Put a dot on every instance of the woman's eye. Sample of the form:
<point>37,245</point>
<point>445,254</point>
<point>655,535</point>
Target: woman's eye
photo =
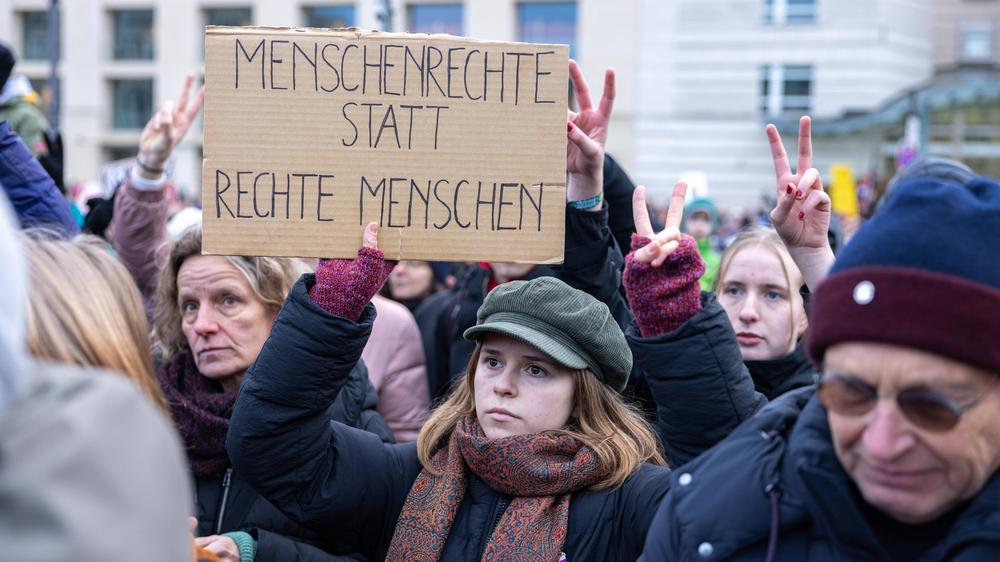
<point>774,295</point>
<point>536,371</point>
<point>188,307</point>
<point>733,291</point>
<point>229,300</point>
<point>493,363</point>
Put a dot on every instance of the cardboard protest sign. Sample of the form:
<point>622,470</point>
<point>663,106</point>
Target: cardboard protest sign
<point>456,147</point>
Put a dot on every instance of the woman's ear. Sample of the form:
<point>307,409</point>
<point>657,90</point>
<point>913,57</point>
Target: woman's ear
<point>803,325</point>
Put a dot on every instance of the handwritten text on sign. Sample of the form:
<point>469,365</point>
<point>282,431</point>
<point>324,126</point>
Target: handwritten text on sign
<point>455,147</point>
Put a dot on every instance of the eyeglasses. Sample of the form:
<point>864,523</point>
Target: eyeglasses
<point>925,408</point>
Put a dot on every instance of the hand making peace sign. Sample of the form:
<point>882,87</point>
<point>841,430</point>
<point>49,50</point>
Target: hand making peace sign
<point>665,243</point>
<point>802,213</point>
<point>587,133</point>
<point>168,126</point>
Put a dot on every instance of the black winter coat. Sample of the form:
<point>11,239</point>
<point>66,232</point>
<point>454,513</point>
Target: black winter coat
<point>701,388</point>
<point>777,479</point>
<point>350,486</point>
<point>774,377</point>
<point>230,504</point>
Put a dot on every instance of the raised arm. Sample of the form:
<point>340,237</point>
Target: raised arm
<point>140,217</point>
<point>593,261</point>
<point>682,339</point>
<point>32,193</point>
<point>343,482</point>
<point>802,213</point>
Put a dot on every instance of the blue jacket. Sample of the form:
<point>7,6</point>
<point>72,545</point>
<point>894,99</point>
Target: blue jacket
<point>775,491</point>
<point>34,196</point>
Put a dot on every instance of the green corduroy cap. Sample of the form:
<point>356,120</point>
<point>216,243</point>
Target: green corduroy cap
<point>566,324</point>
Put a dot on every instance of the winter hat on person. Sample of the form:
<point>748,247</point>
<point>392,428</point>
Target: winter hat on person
<point>701,205</point>
<point>6,63</point>
<point>944,169</point>
<point>566,324</point>
<point>922,273</point>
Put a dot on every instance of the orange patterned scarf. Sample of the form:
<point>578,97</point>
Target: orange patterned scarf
<point>540,471</point>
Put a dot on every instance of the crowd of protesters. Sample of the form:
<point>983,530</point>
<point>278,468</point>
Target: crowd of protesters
<point>676,389</point>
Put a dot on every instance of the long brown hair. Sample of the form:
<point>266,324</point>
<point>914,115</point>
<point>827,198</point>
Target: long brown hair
<point>617,433</point>
<point>84,309</point>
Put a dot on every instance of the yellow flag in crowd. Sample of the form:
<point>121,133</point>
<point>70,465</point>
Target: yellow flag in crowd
<point>843,191</point>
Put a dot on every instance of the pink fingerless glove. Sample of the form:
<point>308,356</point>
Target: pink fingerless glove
<point>345,287</point>
<point>662,298</point>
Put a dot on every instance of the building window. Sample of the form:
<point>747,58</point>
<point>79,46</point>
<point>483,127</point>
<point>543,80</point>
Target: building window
<point>117,153</point>
<point>228,16</point>
<point>133,34</point>
<point>785,89</point>
<point>132,103</point>
<point>977,42</point>
<point>789,11</point>
<point>434,18</point>
<point>547,22</point>
<point>329,16</point>
<point>35,35</point>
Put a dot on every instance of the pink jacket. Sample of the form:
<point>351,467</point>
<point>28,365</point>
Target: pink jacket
<point>140,233</point>
<point>395,360</point>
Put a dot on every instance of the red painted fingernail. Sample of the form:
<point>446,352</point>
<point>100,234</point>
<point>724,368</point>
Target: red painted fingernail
<point>791,187</point>
<point>569,126</point>
<point>788,189</point>
<point>798,193</point>
<point>802,215</point>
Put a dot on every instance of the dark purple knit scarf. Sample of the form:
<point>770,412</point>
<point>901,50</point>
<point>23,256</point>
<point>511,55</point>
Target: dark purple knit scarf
<point>201,410</point>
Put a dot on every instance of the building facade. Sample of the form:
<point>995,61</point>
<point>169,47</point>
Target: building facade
<point>697,79</point>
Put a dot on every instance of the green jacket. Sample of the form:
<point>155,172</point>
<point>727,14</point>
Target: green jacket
<point>711,258</point>
<point>25,118</point>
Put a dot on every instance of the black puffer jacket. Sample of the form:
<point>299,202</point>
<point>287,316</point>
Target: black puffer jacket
<point>777,481</point>
<point>350,486</point>
<point>696,375</point>
<point>230,504</point>
<point>774,377</point>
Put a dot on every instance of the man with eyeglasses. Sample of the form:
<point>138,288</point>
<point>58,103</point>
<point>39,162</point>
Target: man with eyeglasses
<point>895,455</point>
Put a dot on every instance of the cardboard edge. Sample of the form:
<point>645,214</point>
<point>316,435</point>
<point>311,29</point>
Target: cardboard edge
<point>359,33</point>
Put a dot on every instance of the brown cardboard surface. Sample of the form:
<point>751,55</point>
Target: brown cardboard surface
<point>291,168</point>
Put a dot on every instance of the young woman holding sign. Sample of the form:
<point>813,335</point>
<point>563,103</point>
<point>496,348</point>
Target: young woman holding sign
<point>534,455</point>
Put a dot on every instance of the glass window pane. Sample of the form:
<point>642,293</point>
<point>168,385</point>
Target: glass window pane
<point>329,16</point>
<point>977,43</point>
<point>435,18</point>
<point>801,11</point>
<point>132,103</point>
<point>768,11</point>
<point>229,16</point>
<point>115,153</point>
<point>548,22</point>
<point>796,89</point>
<point>35,35</point>
<point>133,34</point>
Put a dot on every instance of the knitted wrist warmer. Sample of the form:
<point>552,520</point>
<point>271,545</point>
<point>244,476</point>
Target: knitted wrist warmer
<point>246,544</point>
<point>345,287</point>
<point>662,298</point>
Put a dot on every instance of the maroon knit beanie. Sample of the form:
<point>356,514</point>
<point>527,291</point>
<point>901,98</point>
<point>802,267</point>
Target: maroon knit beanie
<point>923,273</point>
